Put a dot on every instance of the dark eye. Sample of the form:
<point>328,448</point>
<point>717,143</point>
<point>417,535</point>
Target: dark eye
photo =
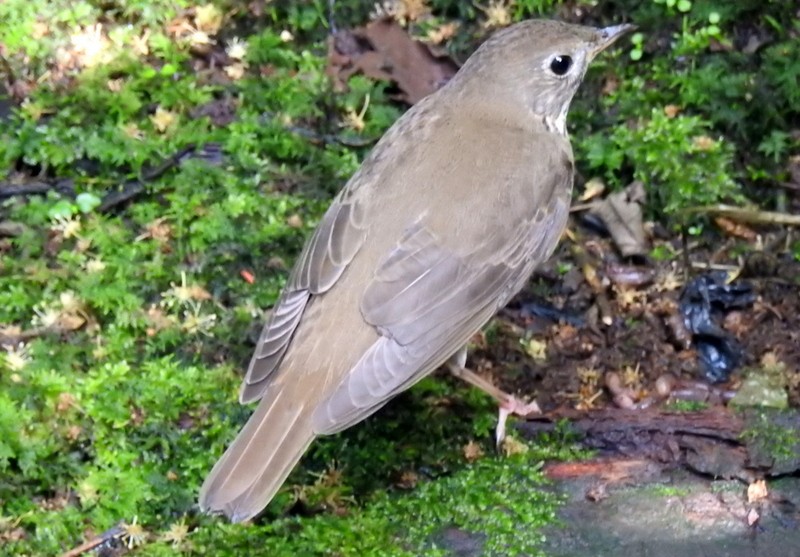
<point>561,64</point>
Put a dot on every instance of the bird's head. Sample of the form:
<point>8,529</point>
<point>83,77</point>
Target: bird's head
<point>537,64</point>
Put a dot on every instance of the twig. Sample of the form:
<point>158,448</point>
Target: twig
<point>789,186</point>
<point>111,534</point>
<point>133,188</point>
<point>9,71</point>
<point>601,299</point>
<point>747,215</point>
<point>64,187</point>
<point>22,336</point>
<point>714,266</point>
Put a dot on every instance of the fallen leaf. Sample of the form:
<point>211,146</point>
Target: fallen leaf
<point>757,491</point>
<point>498,13</point>
<point>294,221</point>
<point>736,229</point>
<point>592,189</point>
<point>163,119</point>
<point>442,33</point>
<point>472,451</point>
<point>513,446</point>
<point>208,19</point>
<point>384,50</point>
<point>622,214</point>
<point>703,143</point>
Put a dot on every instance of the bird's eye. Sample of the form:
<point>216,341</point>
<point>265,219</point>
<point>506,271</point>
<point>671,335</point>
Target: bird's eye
<point>561,64</point>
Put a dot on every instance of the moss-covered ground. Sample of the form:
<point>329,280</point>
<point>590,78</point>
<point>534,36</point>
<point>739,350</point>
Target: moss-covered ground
<point>125,327</point>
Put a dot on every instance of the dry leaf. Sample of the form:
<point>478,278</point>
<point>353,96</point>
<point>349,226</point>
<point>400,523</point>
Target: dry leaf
<point>443,32</point>
<point>536,349</point>
<point>408,480</point>
<point>622,214</point>
<point>703,143</point>
<point>294,221</point>
<point>512,446</point>
<point>208,19</point>
<point>757,491</point>
<point>736,229</point>
<point>71,321</point>
<point>472,451</point>
<point>592,189</point>
<point>65,402</point>
<point>163,119</point>
<point>384,50</point>
<point>498,13</point>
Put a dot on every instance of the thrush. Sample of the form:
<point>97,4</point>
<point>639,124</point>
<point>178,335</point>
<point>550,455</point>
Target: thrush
<point>441,225</point>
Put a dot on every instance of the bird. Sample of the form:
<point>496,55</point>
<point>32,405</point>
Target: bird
<point>444,221</point>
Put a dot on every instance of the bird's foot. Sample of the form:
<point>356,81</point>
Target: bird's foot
<point>512,406</point>
<point>509,404</point>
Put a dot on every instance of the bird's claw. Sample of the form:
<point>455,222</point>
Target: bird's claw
<point>512,406</point>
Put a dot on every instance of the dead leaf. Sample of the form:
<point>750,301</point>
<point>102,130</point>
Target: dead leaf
<point>235,71</point>
<point>71,321</point>
<point>752,517</point>
<point>158,320</point>
<point>597,492</point>
<point>736,229</point>
<point>622,214</point>
<point>401,11</point>
<point>512,446</point>
<point>498,13</point>
<point>472,451</point>
<point>703,143</point>
<point>672,110</point>
<point>294,221</point>
<point>408,480</point>
<point>757,491</point>
<point>65,402</point>
<point>754,42</point>
<point>794,169</point>
<point>443,33</point>
<point>208,19</point>
<point>163,119</point>
<point>592,189</point>
<point>384,50</point>
<point>536,349</point>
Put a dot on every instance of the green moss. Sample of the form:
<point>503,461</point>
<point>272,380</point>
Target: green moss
<point>686,405</point>
<point>771,437</point>
<point>502,502</point>
<point>660,490</point>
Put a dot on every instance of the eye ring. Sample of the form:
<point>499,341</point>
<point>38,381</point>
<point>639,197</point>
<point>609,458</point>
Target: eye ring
<point>560,64</point>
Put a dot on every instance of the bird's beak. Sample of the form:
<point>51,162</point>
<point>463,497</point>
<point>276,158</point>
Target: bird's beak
<point>609,35</point>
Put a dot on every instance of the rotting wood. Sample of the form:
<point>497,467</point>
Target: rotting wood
<point>718,442</point>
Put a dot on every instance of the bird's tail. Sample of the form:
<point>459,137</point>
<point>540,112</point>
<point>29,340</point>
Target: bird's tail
<point>258,461</point>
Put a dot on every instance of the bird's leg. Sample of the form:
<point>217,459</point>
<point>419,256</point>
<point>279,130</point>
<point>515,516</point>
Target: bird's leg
<point>509,404</point>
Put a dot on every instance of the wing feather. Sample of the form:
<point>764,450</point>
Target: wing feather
<point>426,302</point>
<point>328,252</point>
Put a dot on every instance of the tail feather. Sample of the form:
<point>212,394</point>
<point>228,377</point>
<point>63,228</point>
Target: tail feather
<point>261,457</point>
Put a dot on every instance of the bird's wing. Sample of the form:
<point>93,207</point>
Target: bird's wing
<point>426,301</point>
<point>325,256</point>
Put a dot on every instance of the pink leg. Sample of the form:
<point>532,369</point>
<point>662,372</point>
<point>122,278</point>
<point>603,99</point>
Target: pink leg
<point>509,404</point>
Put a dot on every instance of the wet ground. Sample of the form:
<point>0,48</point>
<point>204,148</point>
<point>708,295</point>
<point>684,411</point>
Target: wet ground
<point>602,325</point>
<point>678,514</point>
